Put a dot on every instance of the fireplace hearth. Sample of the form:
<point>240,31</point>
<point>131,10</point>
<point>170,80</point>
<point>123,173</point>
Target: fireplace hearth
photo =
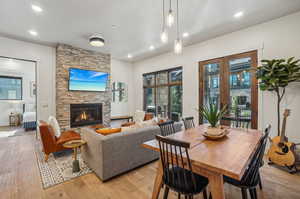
<point>85,114</point>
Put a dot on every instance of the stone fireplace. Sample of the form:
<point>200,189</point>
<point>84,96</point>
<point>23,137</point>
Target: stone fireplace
<point>85,114</point>
<point>71,57</point>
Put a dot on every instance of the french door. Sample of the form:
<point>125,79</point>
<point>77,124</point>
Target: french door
<point>230,81</point>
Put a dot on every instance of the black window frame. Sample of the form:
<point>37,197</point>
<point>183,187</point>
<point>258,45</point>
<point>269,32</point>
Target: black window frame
<point>17,78</point>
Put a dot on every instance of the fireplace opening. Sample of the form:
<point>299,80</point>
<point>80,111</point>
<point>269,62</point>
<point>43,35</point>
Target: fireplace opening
<point>85,114</point>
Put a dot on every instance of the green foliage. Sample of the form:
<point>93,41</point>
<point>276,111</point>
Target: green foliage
<point>212,113</point>
<point>277,73</point>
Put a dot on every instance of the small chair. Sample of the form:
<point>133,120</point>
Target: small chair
<point>242,123</point>
<point>251,178</point>
<point>52,143</point>
<point>188,122</point>
<point>167,128</point>
<point>139,116</point>
<point>177,170</point>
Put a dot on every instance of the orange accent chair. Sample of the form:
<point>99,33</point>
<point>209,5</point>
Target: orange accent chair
<point>50,142</point>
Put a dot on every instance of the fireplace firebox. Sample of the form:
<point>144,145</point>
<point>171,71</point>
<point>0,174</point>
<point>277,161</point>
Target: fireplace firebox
<point>85,114</point>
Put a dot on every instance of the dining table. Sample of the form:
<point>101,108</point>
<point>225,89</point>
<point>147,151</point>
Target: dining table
<point>214,159</point>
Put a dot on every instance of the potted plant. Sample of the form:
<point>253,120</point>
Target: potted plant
<point>275,75</point>
<point>213,115</point>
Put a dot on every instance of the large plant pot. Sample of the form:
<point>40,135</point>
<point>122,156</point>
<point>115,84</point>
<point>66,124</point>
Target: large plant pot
<point>214,130</point>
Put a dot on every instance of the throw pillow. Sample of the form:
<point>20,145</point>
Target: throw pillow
<point>108,131</point>
<point>53,122</point>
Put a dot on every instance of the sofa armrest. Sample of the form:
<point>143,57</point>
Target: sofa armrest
<point>92,152</point>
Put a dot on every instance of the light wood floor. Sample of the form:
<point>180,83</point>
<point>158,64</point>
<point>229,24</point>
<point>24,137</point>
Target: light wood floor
<point>19,178</point>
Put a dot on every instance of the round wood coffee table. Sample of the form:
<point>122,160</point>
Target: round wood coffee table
<point>75,144</point>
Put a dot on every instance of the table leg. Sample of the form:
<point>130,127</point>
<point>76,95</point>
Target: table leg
<point>216,186</point>
<point>76,167</point>
<point>158,181</point>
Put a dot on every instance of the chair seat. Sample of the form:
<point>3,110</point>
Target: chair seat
<point>239,183</point>
<point>178,184</point>
<point>68,136</point>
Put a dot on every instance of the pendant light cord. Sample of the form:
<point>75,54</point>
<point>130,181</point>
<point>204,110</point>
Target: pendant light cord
<point>170,4</point>
<point>163,10</point>
<point>177,16</point>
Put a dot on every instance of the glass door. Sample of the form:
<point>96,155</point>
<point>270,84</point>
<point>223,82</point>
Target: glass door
<point>210,88</point>
<point>163,93</point>
<point>242,94</point>
<point>230,81</point>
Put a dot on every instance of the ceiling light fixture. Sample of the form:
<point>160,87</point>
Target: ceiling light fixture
<point>97,41</point>
<point>164,33</point>
<point>36,8</point>
<point>33,32</point>
<point>238,14</point>
<point>178,42</point>
<point>170,17</point>
<point>129,56</point>
<point>185,34</point>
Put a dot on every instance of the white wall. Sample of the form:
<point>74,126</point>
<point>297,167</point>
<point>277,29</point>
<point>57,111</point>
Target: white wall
<point>45,57</point>
<point>279,38</point>
<point>122,72</point>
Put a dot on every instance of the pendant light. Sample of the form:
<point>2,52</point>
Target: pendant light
<point>170,17</point>
<point>164,33</point>
<point>178,41</point>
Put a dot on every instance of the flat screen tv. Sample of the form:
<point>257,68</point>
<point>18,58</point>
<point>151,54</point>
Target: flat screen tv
<point>87,80</point>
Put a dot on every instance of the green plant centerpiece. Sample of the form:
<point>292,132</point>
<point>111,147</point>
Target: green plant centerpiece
<point>213,115</point>
<point>275,75</point>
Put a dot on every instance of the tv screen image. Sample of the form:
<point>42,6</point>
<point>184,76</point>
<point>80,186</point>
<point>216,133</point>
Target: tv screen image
<point>87,80</point>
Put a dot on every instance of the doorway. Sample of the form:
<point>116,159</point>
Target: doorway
<point>230,81</point>
<point>18,97</point>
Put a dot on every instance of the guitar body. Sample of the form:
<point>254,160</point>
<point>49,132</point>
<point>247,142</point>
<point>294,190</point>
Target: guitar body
<point>281,153</point>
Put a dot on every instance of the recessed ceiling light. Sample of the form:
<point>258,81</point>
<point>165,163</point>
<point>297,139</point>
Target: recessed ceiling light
<point>36,8</point>
<point>238,14</point>
<point>33,32</point>
<point>129,56</point>
<point>185,34</point>
<point>151,47</point>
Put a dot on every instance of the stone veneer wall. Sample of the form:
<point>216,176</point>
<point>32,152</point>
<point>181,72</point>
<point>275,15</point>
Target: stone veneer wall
<point>68,56</point>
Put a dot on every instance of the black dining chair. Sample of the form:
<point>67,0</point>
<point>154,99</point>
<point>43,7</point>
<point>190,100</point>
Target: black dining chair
<point>242,122</point>
<point>188,122</point>
<point>251,178</point>
<point>177,169</point>
<point>167,128</point>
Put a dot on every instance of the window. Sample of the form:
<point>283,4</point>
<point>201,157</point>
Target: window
<point>10,88</point>
<point>163,93</point>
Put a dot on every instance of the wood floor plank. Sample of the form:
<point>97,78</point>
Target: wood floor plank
<point>20,179</point>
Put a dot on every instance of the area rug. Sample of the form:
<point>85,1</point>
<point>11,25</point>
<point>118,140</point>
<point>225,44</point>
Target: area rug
<point>58,168</point>
<point>15,132</point>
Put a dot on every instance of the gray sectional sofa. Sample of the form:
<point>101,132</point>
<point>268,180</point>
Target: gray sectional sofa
<point>111,155</point>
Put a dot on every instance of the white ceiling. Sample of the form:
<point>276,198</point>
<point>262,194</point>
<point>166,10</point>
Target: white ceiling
<point>138,22</point>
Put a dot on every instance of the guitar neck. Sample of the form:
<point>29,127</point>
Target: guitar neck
<point>282,135</point>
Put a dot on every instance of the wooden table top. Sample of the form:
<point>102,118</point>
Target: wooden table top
<point>228,156</point>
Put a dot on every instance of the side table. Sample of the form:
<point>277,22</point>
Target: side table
<point>75,144</point>
<point>14,119</point>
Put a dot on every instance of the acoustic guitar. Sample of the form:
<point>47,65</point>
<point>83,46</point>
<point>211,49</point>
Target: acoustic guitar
<point>281,151</point>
